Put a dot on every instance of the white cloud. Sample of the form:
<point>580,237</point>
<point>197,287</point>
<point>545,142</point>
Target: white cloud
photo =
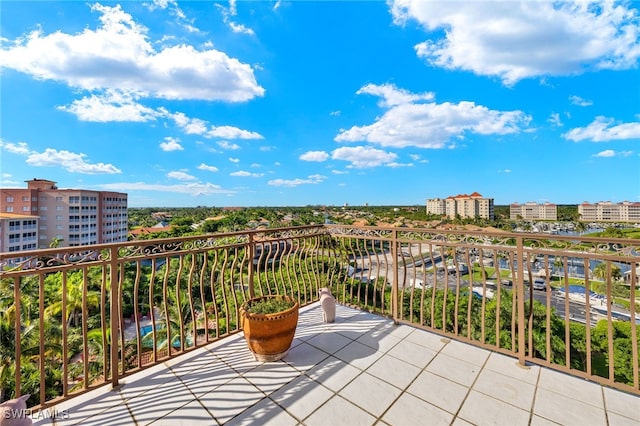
<point>339,172</point>
<point>175,10</point>
<point>395,165</point>
<point>119,55</point>
<point>234,160</point>
<point>517,40</point>
<point>208,168</point>
<point>180,175</point>
<point>114,105</point>
<point>196,126</point>
<point>70,161</point>
<point>243,173</point>
<point>555,119</point>
<point>110,106</point>
<point>418,158</point>
<point>430,125</point>
<point>229,12</point>
<point>191,126</point>
<point>16,148</point>
<point>611,153</point>
<point>577,100</point>
<point>314,156</point>
<point>603,129</point>
<point>311,180</point>
<point>391,95</point>
<point>605,153</point>
<point>195,188</point>
<point>230,132</point>
<point>362,157</point>
<point>240,28</point>
<point>6,181</point>
<point>228,145</point>
<point>335,113</point>
<point>171,144</point>
<point>504,171</point>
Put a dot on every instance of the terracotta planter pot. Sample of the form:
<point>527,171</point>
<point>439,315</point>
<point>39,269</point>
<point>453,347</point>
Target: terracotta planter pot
<point>269,336</point>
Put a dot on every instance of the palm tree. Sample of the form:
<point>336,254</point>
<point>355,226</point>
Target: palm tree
<point>600,271</point>
<point>55,242</point>
<point>74,293</point>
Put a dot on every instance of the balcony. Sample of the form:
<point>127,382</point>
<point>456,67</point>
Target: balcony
<point>362,369</point>
<point>440,325</point>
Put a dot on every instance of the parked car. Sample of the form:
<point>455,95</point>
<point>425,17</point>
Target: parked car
<point>540,284</point>
<point>507,283</point>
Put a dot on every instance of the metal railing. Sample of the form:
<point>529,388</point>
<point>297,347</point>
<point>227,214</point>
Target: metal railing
<point>76,318</point>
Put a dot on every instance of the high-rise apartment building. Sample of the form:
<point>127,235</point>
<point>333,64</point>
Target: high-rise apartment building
<point>531,210</point>
<point>72,217</point>
<point>465,206</point>
<point>606,211</point>
<point>436,206</point>
<point>18,232</point>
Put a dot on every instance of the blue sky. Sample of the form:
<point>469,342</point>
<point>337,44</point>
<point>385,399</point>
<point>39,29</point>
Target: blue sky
<point>275,103</point>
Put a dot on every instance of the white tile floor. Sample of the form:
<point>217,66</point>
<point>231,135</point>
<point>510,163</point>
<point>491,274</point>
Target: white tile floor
<point>360,370</point>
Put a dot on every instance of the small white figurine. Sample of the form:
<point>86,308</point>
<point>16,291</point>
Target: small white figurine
<point>14,412</point>
<point>328,303</point>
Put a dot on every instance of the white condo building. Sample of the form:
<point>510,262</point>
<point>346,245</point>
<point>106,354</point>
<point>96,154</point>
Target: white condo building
<point>531,210</point>
<point>606,211</point>
<point>465,206</point>
<point>437,206</point>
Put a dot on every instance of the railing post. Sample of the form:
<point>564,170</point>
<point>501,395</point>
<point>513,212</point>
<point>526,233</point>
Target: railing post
<point>251,253</point>
<point>520,299</point>
<point>114,314</point>
<point>396,278</point>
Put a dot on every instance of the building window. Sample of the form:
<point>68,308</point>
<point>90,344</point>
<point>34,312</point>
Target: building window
<point>9,199</point>
<point>25,198</point>
<point>43,208</point>
<point>25,208</point>
<point>59,198</point>
<point>59,217</point>
<point>9,209</point>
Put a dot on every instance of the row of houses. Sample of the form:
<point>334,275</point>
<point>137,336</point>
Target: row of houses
<point>476,206</point>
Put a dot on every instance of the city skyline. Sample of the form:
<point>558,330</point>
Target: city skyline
<point>183,104</point>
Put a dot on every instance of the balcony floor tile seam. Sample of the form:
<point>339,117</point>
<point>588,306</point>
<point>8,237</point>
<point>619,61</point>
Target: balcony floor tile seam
<point>617,413</point>
<point>136,395</point>
<point>469,389</point>
<point>405,390</point>
<point>518,366</point>
<point>198,395</point>
<point>300,421</point>
<point>586,382</point>
<point>88,418</point>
